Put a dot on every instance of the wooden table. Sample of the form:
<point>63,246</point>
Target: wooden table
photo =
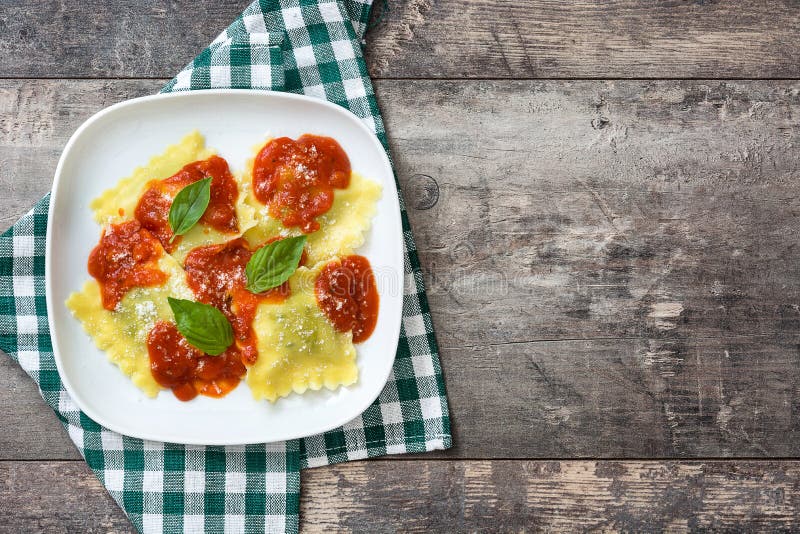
<point>606,199</point>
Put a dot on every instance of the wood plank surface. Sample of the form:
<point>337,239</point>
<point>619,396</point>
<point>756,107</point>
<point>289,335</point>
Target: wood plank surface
<point>610,264</point>
<point>100,38</point>
<point>586,39</point>
<point>423,38</point>
<point>56,497</point>
<point>461,496</point>
<point>629,244</point>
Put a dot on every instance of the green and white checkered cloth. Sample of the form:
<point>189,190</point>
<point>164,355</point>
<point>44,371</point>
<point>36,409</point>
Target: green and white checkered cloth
<point>301,46</point>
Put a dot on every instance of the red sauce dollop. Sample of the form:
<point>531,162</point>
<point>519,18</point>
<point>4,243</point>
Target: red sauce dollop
<point>347,293</point>
<point>216,275</point>
<point>296,179</point>
<point>152,211</point>
<point>187,371</point>
<point>126,257</point>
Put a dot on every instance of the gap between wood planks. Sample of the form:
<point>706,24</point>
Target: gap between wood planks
<point>433,456</point>
<point>461,79</point>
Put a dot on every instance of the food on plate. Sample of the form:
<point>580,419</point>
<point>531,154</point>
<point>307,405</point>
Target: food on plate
<point>336,220</point>
<point>215,182</point>
<point>217,276</point>
<point>194,356</point>
<point>148,193</point>
<point>298,348</point>
<point>347,294</point>
<point>296,179</point>
<point>128,295</point>
<point>203,278</point>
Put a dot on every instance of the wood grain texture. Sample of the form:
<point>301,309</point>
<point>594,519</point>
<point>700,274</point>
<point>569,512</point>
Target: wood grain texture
<point>425,38</point>
<point>98,38</point>
<point>630,245</point>
<point>550,496</point>
<point>611,265</point>
<point>23,412</point>
<point>56,497</point>
<point>661,210</point>
<point>586,39</point>
<point>460,496</point>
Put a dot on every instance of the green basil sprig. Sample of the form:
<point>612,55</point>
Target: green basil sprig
<point>203,326</point>
<point>188,206</point>
<point>274,263</point>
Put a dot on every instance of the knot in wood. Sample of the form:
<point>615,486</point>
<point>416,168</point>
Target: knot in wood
<point>600,123</point>
<point>423,192</point>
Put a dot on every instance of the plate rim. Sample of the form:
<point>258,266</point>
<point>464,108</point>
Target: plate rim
<point>50,301</point>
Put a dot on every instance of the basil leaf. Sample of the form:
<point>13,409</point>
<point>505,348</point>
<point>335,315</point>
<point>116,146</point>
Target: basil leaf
<point>203,326</point>
<point>274,263</point>
<point>188,206</point>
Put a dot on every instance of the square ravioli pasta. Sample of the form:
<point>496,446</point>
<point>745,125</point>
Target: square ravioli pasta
<point>342,228</point>
<point>160,180</point>
<point>122,332</point>
<point>298,347</point>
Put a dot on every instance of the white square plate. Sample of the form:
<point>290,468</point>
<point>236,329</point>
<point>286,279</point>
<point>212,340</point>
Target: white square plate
<point>108,147</point>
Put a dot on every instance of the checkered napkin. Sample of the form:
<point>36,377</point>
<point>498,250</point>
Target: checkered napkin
<point>300,46</point>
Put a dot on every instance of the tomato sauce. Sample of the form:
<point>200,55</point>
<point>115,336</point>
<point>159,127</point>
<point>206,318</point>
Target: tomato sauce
<point>347,293</point>
<point>216,275</point>
<point>152,211</point>
<point>296,178</point>
<point>187,371</point>
<point>126,257</point>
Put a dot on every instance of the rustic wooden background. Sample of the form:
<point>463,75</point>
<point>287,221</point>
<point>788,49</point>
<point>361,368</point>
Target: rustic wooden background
<point>605,197</point>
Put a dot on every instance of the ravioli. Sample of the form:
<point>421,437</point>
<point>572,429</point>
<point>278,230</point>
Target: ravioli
<point>342,228</point>
<point>122,334</point>
<point>119,203</point>
<point>298,348</point>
